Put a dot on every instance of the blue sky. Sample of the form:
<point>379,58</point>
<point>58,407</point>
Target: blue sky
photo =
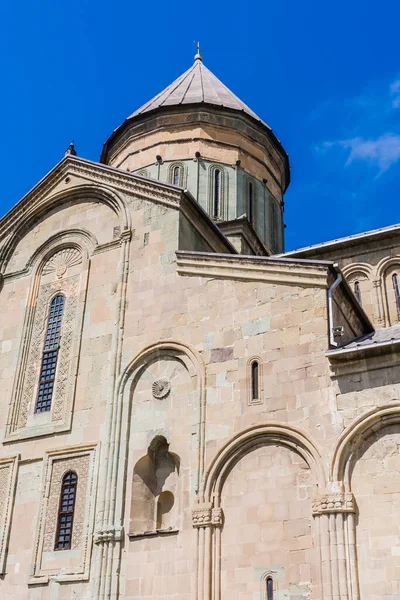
<point>324,75</point>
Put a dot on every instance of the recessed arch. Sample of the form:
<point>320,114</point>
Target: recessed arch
<point>385,263</point>
<point>37,210</point>
<point>244,442</point>
<point>355,435</point>
<point>364,269</point>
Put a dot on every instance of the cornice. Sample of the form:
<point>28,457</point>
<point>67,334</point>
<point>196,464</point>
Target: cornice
<point>103,175</point>
<point>245,268</point>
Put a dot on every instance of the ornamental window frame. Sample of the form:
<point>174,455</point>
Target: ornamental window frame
<point>66,564</point>
<point>59,267</point>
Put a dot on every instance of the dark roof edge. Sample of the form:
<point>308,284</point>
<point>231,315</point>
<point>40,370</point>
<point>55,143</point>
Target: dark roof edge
<point>355,238</point>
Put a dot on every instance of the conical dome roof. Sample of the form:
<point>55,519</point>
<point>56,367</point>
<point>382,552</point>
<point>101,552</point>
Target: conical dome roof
<point>196,86</point>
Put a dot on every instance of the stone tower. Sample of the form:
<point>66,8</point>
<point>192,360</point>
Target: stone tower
<point>198,135</point>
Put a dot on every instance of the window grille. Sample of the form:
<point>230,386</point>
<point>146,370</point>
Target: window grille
<point>50,355</point>
<point>66,511</point>
<point>217,193</point>
<point>357,291</point>
<point>396,286</point>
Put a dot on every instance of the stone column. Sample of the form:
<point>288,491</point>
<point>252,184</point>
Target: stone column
<point>381,318</point>
<point>338,551</point>
<point>208,521</point>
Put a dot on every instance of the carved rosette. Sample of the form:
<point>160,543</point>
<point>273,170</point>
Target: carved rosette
<point>206,516</point>
<point>161,388</point>
<point>334,503</point>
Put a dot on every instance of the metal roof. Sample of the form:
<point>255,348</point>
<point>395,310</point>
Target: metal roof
<point>197,85</point>
<point>355,238</point>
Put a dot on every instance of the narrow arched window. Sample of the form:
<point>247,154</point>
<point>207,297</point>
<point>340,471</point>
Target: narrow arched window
<point>176,176</point>
<point>251,203</point>
<point>270,588</point>
<point>50,355</point>
<point>66,511</point>
<point>255,373</point>
<point>217,193</point>
<point>396,286</point>
<point>357,291</point>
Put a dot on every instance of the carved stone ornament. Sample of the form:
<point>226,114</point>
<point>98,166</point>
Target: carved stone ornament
<point>201,515</point>
<point>111,534</point>
<point>60,262</point>
<point>205,516</point>
<point>161,388</point>
<point>333,503</point>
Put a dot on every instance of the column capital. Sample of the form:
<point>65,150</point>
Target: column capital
<point>335,502</point>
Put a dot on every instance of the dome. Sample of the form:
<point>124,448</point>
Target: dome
<point>196,86</point>
<point>199,135</point>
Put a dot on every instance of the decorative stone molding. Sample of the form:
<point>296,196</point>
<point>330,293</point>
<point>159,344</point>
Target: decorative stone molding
<point>109,534</point>
<point>205,516</point>
<point>74,564</point>
<point>217,517</point>
<point>22,422</point>
<point>255,268</point>
<point>342,502</point>
<point>8,478</point>
<point>61,261</point>
<point>202,515</point>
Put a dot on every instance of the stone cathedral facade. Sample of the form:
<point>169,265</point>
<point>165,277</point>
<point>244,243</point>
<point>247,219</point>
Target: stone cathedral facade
<point>187,412</point>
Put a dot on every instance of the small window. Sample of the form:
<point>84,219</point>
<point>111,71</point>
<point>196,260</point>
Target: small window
<point>255,374</point>
<point>50,355</point>
<point>396,287</point>
<point>357,291</point>
<point>66,511</point>
<point>251,203</point>
<point>270,588</point>
<point>217,193</point>
<point>176,176</point>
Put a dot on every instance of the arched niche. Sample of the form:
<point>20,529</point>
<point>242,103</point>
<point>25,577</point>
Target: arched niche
<point>161,396</point>
<point>155,490</point>
<point>264,481</point>
<point>367,464</point>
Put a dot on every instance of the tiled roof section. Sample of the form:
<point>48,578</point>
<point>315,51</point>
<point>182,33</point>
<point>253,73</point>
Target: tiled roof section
<point>196,86</point>
<point>380,336</point>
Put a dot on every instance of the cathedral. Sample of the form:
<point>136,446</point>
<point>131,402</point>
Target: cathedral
<point>187,411</point>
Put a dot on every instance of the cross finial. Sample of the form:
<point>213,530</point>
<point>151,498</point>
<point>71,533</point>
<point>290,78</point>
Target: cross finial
<point>70,151</point>
<point>198,55</point>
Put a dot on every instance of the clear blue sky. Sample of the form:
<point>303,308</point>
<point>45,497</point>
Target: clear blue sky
<point>324,75</point>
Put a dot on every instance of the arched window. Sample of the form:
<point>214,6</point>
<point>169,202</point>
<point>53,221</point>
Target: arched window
<point>217,193</point>
<point>66,511</point>
<point>270,588</point>
<point>50,355</point>
<point>251,203</point>
<point>357,291</point>
<point>255,374</point>
<point>176,176</point>
<point>396,287</point>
